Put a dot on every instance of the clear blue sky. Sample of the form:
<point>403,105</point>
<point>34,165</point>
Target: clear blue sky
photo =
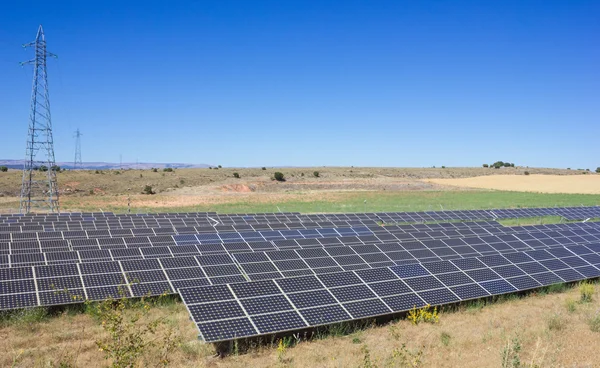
<point>253,83</point>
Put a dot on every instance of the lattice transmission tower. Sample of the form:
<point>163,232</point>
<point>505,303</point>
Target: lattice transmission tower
<point>77,160</point>
<point>39,190</point>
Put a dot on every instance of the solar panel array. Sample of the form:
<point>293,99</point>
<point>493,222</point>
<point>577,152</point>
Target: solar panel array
<point>249,309</point>
<point>245,275</point>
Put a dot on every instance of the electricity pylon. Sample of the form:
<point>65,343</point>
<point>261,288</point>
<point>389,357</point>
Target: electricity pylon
<point>77,150</point>
<point>39,189</point>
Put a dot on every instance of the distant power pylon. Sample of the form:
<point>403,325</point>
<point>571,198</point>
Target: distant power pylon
<point>77,150</point>
<point>39,189</point>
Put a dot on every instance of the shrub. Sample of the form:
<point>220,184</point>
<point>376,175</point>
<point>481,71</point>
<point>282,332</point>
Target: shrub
<point>3,169</point>
<point>43,168</point>
<point>264,168</point>
<point>148,190</point>
<point>278,176</point>
<point>507,164</point>
<point>168,169</point>
<point>486,165</point>
<point>316,174</point>
<point>512,164</point>
<point>131,331</point>
<point>56,168</point>
<point>236,175</point>
<point>586,290</point>
<point>526,173</point>
<point>210,167</point>
<point>97,172</point>
<point>154,169</point>
<point>220,167</point>
<point>443,167</point>
<point>424,314</point>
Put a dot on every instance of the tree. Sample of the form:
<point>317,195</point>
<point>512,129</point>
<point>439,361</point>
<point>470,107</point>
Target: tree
<point>220,167</point>
<point>486,165</point>
<point>278,176</point>
<point>264,168</point>
<point>56,168</point>
<point>168,169</point>
<point>43,168</point>
<point>236,175</point>
<point>316,174</point>
<point>597,169</point>
<point>3,169</point>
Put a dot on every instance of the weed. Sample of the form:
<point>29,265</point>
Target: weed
<point>21,317</point>
<point>556,322</point>
<point>404,357</point>
<point>445,338</point>
<point>395,331</point>
<point>571,305</point>
<point>475,306</point>
<point>282,349</point>
<point>554,289</point>
<point>511,354</point>
<point>424,314</point>
<point>594,322</point>
<point>586,290</point>
<point>366,363</point>
<point>356,340</point>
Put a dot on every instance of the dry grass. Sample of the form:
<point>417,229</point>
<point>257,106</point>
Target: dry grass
<point>471,337</point>
<point>585,184</point>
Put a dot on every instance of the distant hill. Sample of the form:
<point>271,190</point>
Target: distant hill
<point>18,164</point>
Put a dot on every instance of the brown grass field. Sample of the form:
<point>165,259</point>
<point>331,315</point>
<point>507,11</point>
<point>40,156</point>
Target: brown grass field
<point>553,330</point>
<point>542,329</point>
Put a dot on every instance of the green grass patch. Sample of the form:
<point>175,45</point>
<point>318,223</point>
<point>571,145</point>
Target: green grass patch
<point>381,201</point>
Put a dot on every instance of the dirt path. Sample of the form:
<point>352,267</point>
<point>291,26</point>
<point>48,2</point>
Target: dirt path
<point>583,184</point>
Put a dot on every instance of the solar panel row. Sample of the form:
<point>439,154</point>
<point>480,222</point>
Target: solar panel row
<point>568,212</point>
<point>93,240</point>
<point>419,243</point>
<point>166,275</point>
<point>248,309</point>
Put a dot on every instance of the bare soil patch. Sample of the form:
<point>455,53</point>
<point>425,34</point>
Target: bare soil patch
<point>582,184</point>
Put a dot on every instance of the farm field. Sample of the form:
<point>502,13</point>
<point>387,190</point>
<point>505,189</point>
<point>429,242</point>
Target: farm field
<point>588,184</point>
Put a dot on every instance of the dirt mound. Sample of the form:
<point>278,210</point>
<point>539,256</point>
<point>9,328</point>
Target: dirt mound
<point>583,184</point>
<point>238,188</point>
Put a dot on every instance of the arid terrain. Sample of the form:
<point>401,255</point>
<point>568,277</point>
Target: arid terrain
<point>335,189</point>
<point>539,330</point>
